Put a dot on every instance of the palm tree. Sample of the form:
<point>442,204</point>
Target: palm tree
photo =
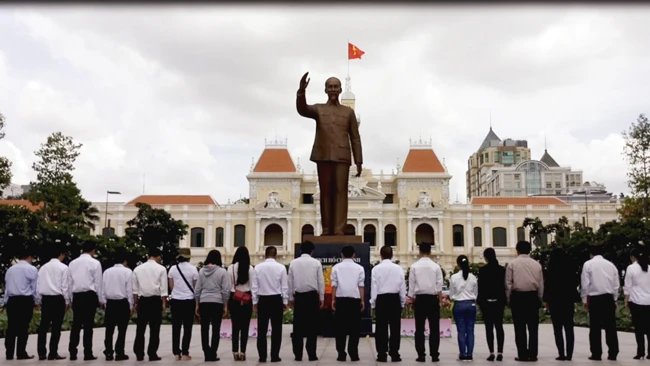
<point>87,214</point>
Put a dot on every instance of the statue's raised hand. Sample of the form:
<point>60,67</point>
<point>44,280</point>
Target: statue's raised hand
<point>304,81</point>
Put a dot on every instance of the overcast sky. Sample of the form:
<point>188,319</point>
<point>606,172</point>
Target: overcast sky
<point>187,95</point>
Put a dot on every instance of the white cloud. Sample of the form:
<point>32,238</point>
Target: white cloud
<point>186,95</point>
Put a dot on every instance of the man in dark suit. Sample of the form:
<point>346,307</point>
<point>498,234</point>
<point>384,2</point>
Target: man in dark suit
<point>337,130</point>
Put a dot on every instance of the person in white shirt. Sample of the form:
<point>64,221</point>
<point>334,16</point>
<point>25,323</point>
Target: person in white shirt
<point>117,297</point>
<point>387,299</point>
<point>306,296</point>
<point>150,295</point>
<point>348,294</point>
<point>270,298</point>
<point>241,273</point>
<point>637,299</point>
<point>182,281</point>
<point>85,278</point>
<point>54,297</point>
<point>600,283</point>
<point>425,293</point>
<point>463,290</point>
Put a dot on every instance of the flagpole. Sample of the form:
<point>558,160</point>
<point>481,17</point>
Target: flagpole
<point>348,49</point>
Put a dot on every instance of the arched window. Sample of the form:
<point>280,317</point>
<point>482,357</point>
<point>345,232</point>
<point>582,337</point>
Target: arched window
<point>219,237</point>
<point>370,234</point>
<point>307,230</point>
<point>273,235</point>
<point>390,235</point>
<point>240,235</point>
<point>424,233</point>
<point>521,234</point>
<point>350,230</point>
<point>499,237</point>
<point>478,237</point>
<point>197,236</point>
<point>459,235</point>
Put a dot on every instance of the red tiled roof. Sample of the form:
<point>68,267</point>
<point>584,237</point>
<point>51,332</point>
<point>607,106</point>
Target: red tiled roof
<point>275,161</point>
<point>25,203</point>
<point>517,201</point>
<point>422,161</point>
<point>174,200</point>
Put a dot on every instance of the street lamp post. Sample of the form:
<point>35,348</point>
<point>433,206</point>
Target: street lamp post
<point>106,207</point>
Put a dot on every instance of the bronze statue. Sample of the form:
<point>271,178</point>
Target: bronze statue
<point>336,130</point>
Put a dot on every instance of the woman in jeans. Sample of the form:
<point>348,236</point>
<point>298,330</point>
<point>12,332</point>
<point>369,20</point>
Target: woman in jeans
<point>241,275</point>
<point>492,300</point>
<point>212,293</point>
<point>637,299</point>
<point>463,290</point>
<point>560,296</point>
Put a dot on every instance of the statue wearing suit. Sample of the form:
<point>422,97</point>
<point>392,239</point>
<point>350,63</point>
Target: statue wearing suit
<point>337,138</point>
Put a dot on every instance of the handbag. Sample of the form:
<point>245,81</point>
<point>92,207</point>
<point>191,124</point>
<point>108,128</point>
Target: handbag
<point>184,279</point>
<point>241,296</point>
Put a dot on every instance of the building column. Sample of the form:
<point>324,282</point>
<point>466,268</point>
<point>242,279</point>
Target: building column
<point>257,235</point>
<point>319,229</point>
<point>379,240</point>
<point>441,234</point>
<point>409,235</point>
<point>469,234</point>
<point>120,228</point>
<point>183,243</point>
<point>359,228</point>
<point>289,245</point>
<point>229,239</point>
<point>512,238</point>
<point>210,237</point>
<point>486,233</point>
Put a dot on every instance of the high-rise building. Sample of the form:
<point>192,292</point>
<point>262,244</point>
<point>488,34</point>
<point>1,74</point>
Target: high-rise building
<point>493,152</point>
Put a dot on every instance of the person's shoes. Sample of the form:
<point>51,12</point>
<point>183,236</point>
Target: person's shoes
<point>9,358</point>
<point>491,357</point>
<point>276,359</point>
<point>42,358</point>
<point>24,357</point>
<point>187,358</point>
<point>313,358</point>
<point>532,359</point>
<point>354,358</point>
<point>521,359</point>
<point>470,358</point>
<point>611,358</point>
<point>109,358</point>
<point>560,358</point>
<point>638,357</point>
<point>73,357</point>
<point>396,358</point>
<point>435,359</point>
<point>262,359</point>
<point>90,358</point>
<point>139,358</point>
<point>594,358</point>
<point>500,357</point>
<point>341,358</point>
<point>421,359</point>
<point>242,357</point>
<point>154,358</point>
<point>177,357</point>
<point>382,358</point>
<point>297,359</point>
<point>55,358</point>
<point>461,358</point>
<point>121,358</point>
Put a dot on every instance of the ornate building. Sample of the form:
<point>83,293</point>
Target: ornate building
<point>401,209</point>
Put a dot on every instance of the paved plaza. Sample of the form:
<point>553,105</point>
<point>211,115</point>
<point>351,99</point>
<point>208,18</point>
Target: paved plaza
<point>327,353</point>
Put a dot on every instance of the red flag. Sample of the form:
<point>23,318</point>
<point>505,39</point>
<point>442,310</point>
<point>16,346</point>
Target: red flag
<point>354,52</point>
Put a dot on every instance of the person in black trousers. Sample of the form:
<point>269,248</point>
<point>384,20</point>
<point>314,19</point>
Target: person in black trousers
<point>637,298</point>
<point>117,298</point>
<point>241,274</point>
<point>560,296</point>
<point>492,300</point>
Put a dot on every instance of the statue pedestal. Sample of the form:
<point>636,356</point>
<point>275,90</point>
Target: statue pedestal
<point>328,251</point>
<point>334,239</point>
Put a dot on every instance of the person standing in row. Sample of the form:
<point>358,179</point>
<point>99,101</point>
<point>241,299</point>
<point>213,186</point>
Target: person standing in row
<point>463,290</point>
<point>117,297</point>
<point>150,294</point>
<point>241,309</point>
<point>348,294</point>
<point>637,299</point>
<point>20,300</point>
<point>425,293</point>
<point>600,285</point>
<point>182,280</point>
<point>212,293</point>
<point>560,296</point>
<point>54,296</point>
<point>524,291</point>
<point>306,294</point>
<point>270,298</point>
<point>492,300</point>
<point>85,284</point>
<point>387,298</point>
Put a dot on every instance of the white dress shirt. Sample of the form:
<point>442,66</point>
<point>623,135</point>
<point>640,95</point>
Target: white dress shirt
<point>150,279</point>
<point>347,276</point>
<point>117,284</point>
<point>232,274</point>
<point>270,279</point>
<point>85,274</point>
<point>637,285</point>
<point>461,289</point>
<point>305,275</point>
<point>599,277</point>
<point>53,280</point>
<point>180,290</point>
<point>425,278</point>
<point>387,278</point>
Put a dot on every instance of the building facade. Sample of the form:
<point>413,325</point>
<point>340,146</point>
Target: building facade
<point>400,209</point>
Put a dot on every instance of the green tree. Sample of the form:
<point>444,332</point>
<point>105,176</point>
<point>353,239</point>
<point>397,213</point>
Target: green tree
<point>20,229</point>
<point>153,227</point>
<point>536,229</point>
<point>5,164</point>
<point>637,154</point>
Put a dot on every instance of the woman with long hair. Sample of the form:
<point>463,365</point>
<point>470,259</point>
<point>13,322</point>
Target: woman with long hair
<point>560,295</point>
<point>463,290</point>
<point>241,274</point>
<point>212,293</point>
<point>637,298</point>
<point>492,300</point>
